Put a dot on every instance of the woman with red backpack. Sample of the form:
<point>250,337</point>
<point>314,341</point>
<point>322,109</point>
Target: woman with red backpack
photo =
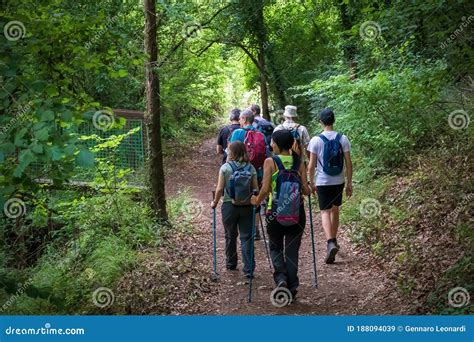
<point>285,180</point>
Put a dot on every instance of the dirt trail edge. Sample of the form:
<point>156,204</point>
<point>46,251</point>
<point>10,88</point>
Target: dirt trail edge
<point>353,285</point>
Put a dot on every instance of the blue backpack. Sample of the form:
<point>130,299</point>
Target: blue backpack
<point>266,128</point>
<point>333,156</point>
<point>240,184</point>
<point>286,201</point>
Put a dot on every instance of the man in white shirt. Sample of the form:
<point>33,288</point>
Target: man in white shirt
<point>327,173</point>
<point>300,133</point>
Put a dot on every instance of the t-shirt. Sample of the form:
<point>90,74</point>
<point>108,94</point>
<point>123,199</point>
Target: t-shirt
<point>239,134</point>
<point>224,134</point>
<point>303,132</point>
<point>287,162</point>
<point>316,146</point>
<point>226,171</point>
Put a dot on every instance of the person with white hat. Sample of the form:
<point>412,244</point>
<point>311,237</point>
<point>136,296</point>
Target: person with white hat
<point>300,133</point>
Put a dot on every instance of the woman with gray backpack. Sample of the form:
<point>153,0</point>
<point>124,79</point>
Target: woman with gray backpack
<point>285,180</point>
<point>237,181</point>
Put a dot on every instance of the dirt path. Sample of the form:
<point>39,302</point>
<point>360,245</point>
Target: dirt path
<point>350,286</point>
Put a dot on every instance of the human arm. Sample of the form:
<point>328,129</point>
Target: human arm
<point>305,188</point>
<point>348,161</point>
<point>268,169</point>
<point>219,190</point>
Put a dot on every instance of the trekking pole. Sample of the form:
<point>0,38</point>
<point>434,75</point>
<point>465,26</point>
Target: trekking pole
<point>215,275</point>
<point>265,242</point>
<point>252,238</point>
<point>312,242</point>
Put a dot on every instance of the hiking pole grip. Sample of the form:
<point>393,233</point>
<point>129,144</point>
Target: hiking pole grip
<point>312,241</point>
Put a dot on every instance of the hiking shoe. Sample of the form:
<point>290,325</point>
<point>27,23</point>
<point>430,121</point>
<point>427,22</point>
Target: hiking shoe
<point>331,254</point>
<point>282,283</point>
<point>293,295</point>
<point>231,268</point>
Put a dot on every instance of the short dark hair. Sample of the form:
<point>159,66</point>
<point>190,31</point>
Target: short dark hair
<point>234,114</point>
<point>238,152</point>
<point>255,108</point>
<point>283,139</point>
<point>327,117</point>
<point>247,115</point>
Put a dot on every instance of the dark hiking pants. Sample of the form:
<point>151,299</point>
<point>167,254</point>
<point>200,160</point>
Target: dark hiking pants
<point>237,219</point>
<point>285,242</point>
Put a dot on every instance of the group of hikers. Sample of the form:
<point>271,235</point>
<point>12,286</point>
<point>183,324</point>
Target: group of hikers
<point>266,171</point>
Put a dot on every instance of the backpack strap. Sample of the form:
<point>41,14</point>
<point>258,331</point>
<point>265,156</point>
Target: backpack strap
<point>278,163</point>
<point>233,165</point>
<point>338,138</point>
<point>323,138</point>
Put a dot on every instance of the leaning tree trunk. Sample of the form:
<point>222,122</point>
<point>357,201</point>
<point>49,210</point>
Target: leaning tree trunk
<point>156,175</point>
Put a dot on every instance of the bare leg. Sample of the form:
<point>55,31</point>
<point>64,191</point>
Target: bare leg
<point>334,220</point>
<point>327,224</point>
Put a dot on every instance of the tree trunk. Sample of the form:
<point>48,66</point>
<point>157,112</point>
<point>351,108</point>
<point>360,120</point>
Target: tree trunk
<point>261,39</point>
<point>263,86</point>
<point>156,177</point>
<point>348,47</point>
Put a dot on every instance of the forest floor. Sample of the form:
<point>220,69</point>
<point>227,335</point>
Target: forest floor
<point>355,284</point>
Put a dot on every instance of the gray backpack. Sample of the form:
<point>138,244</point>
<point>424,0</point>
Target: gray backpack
<point>240,184</point>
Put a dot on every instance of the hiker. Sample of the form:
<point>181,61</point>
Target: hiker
<point>263,126</point>
<point>329,158</point>
<point>225,133</point>
<point>285,180</point>
<point>300,133</point>
<point>256,148</point>
<point>237,180</point>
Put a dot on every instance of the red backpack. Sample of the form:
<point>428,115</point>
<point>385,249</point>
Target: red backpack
<point>256,147</point>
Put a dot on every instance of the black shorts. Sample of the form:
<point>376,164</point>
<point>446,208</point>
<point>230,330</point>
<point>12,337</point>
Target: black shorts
<point>329,195</point>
